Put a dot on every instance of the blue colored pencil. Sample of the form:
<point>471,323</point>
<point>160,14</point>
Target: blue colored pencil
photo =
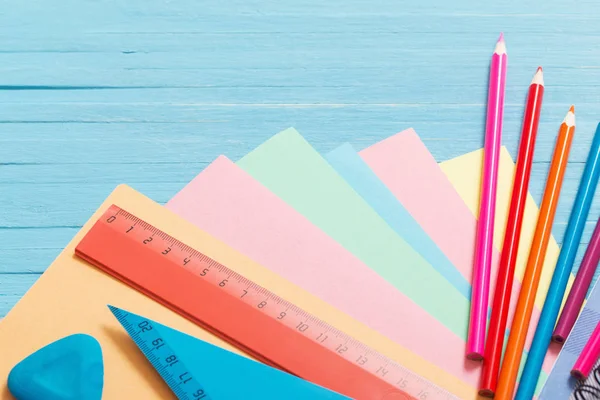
<point>556,291</point>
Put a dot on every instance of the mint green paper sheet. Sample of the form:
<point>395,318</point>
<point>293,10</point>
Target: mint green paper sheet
<point>288,166</point>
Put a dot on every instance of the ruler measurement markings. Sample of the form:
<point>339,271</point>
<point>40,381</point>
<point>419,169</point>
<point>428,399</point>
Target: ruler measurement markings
<point>271,304</point>
<point>167,371</point>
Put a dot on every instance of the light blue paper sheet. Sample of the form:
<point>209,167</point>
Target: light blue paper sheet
<point>346,161</point>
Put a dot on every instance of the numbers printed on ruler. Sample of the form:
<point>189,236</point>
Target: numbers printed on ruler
<point>277,308</point>
<point>163,358</point>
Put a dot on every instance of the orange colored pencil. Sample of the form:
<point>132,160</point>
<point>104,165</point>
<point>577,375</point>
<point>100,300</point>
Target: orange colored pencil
<point>537,253</point>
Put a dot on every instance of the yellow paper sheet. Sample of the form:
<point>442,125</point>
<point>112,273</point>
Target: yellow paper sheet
<point>464,172</point>
<point>71,297</point>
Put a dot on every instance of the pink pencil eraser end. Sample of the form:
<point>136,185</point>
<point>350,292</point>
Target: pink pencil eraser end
<point>578,374</point>
<point>475,356</point>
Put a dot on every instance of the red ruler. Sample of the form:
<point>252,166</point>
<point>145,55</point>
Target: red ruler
<point>243,313</point>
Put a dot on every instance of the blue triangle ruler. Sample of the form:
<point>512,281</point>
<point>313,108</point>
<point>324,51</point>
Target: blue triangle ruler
<point>195,369</point>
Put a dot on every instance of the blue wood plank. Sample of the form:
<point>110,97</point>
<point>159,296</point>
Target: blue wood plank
<point>148,92</point>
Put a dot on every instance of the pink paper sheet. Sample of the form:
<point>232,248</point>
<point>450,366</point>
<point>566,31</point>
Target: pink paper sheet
<point>405,165</point>
<point>226,202</point>
<point>408,169</point>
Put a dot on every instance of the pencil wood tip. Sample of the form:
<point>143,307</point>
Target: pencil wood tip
<point>538,78</point>
<point>500,45</point>
<point>570,118</point>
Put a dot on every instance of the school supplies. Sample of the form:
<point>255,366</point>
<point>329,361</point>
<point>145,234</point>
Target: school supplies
<point>584,275</point>
<point>508,258</point>
<point>562,271</point>
<point>195,369</point>
<point>520,325</point>
<point>382,344</point>
<point>80,306</point>
<point>467,168</point>
<point>224,201</point>
<point>247,315</point>
<point>590,388</point>
<point>443,199</point>
<point>561,384</point>
<point>426,189</point>
<point>580,287</point>
<point>462,172</point>
<point>588,357</point>
<point>485,223</point>
<point>70,367</point>
<point>337,201</point>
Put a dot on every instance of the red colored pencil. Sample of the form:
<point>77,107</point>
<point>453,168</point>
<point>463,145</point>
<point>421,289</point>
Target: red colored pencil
<point>508,257</point>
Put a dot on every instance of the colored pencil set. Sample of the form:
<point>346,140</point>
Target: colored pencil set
<point>500,369</point>
<point>290,274</point>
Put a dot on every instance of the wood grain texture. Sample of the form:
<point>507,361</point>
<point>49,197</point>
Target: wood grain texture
<point>148,92</point>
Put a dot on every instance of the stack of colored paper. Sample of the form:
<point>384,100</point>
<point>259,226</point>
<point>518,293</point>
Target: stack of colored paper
<point>384,236</point>
<point>377,243</point>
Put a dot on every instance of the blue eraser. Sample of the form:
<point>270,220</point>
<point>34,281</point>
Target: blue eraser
<point>70,368</point>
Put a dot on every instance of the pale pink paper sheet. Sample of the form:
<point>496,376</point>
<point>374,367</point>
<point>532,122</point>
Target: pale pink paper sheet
<point>408,169</point>
<point>405,165</point>
<point>226,202</point>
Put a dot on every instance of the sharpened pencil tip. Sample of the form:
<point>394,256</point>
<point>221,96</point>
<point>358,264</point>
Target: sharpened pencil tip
<point>570,118</point>
<point>500,45</point>
<point>538,78</point>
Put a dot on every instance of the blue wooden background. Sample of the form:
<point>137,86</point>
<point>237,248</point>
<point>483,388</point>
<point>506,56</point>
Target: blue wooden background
<point>94,93</point>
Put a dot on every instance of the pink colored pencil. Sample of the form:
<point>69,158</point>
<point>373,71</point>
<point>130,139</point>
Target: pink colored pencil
<point>588,357</point>
<point>487,208</point>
